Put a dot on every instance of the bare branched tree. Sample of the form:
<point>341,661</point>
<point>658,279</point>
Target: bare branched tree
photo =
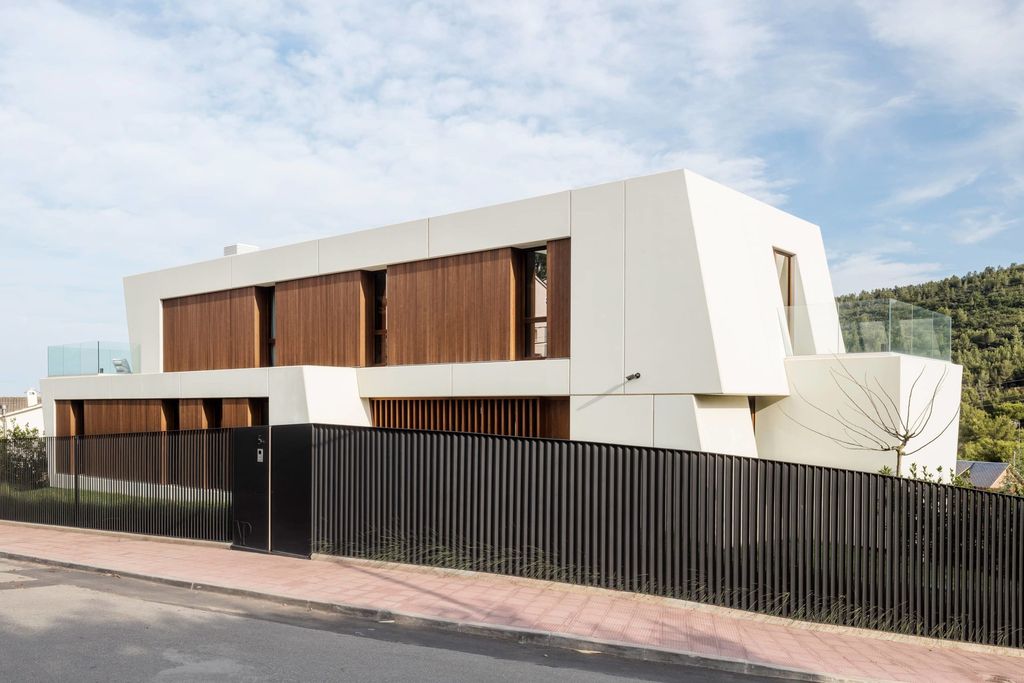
<point>872,420</point>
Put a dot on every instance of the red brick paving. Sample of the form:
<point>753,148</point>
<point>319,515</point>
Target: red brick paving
<point>572,611</point>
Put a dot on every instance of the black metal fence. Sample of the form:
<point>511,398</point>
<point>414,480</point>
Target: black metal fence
<point>166,484</point>
<point>792,540</point>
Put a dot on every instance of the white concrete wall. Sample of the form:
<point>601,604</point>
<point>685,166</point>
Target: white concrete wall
<point>597,311</point>
<point>784,426</point>
<point>329,395</point>
<point>28,418</point>
<point>736,237</point>
<point>674,277</point>
<point>668,337</point>
<point>612,419</point>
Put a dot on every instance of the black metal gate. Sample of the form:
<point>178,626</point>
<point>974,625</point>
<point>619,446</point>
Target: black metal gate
<point>250,503</point>
<point>273,490</point>
<point>291,491</point>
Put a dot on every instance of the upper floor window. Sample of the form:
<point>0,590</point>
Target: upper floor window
<point>784,270</point>
<point>535,303</point>
<point>380,317</point>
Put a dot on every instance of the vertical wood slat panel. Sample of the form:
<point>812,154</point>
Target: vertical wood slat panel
<point>529,417</point>
<point>122,416</point>
<point>559,297</point>
<point>215,331</point>
<point>453,309</point>
<point>325,320</point>
<point>192,414</point>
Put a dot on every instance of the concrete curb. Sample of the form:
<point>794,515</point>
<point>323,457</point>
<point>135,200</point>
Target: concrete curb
<point>519,635</point>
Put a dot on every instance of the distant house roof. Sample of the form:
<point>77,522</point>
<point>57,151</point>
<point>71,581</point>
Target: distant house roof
<point>23,410</point>
<point>984,475</point>
<point>14,402</point>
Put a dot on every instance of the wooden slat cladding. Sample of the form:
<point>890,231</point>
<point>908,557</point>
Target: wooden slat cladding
<point>559,296</point>
<point>122,416</point>
<point>125,416</point>
<point>325,320</point>
<point>69,421</point>
<point>216,331</point>
<point>454,309</point>
<point>243,412</point>
<point>532,417</point>
<point>198,413</point>
<point>554,418</point>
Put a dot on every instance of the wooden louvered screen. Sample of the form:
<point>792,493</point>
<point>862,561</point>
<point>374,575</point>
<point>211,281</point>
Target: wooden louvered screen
<point>531,417</point>
<point>455,309</point>
<point>217,330</point>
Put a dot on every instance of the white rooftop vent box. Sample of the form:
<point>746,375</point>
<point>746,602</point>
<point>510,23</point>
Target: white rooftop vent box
<point>236,249</point>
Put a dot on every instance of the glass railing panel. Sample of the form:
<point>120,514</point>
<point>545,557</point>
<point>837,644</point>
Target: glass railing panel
<point>883,325</point>
<point>92,358</point>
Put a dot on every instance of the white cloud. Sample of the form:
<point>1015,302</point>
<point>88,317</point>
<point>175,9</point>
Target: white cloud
<point>963,57</point>
<point>885,265</point>
<point>132,139</point>
<point>936,188</point>
<point>967,50</point>
<point>976,228</point>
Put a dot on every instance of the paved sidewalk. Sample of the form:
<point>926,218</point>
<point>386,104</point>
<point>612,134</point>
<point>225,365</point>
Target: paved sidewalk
<point>534,610</point>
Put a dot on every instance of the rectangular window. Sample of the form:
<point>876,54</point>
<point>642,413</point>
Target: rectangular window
<point>380,317</point>
<point>535,303</point>
<point>784,269</point>
<point>784,273</point>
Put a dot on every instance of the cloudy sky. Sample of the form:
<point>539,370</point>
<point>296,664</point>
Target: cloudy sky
<point>135,136</point>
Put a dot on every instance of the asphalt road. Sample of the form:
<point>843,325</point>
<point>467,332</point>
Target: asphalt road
<point>65,625</point>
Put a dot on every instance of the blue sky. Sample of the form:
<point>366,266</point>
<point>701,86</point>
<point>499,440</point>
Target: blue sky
<point>136,136</point>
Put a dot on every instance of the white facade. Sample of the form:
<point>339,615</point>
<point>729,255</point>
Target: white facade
<point>29,417</point>
<point>673,277</point>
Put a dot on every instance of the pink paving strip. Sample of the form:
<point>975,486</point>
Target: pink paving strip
<point>636,620</point>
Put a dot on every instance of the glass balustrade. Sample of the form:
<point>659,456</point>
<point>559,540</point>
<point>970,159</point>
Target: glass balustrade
<point>881,325</point>
<point>92,358</point>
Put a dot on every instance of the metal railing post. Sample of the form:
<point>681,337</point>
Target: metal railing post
<point>75,453</point>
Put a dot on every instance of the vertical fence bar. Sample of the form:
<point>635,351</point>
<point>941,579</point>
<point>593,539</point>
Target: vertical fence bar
<point>847,547</point>
<point>824,544</point>
<point>135,483</point>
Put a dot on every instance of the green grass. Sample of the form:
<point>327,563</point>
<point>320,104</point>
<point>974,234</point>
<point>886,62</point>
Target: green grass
<point>200,518</point>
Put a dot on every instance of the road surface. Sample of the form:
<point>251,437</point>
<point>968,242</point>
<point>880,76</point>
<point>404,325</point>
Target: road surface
<point>66,625</point>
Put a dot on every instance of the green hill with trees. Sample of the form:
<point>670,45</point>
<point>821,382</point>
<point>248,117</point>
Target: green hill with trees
<point>987,310</point>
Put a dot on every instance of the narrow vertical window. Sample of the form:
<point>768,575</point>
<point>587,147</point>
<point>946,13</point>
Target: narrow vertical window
<point>272,332</point>
<point>380,317</point>
<point>784,269</point>
<point>535,303</point>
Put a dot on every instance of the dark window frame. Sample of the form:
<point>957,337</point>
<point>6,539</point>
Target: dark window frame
<point>379,324</point>
<point>528,319</point>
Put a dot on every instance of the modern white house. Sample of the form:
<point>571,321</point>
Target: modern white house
<point>665,311</point>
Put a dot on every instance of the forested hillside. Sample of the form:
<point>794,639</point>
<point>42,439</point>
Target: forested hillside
<point>987,310</point>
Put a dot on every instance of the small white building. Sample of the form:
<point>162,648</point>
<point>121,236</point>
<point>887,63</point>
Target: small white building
<point>26,412</point>
<point>665,311</point>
